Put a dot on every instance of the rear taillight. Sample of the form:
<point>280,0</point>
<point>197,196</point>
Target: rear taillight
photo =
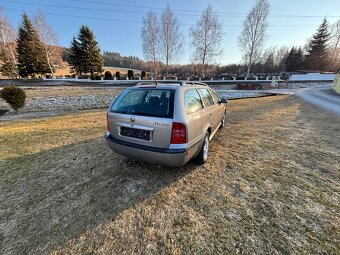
<point>179,133</point>
<point>107,121</point>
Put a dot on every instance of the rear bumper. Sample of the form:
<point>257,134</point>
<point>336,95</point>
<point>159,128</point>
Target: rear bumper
<point>158,156</point>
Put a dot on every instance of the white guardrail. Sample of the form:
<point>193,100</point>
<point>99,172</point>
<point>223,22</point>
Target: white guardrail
<point>301,77</point>
<point>275,79</point>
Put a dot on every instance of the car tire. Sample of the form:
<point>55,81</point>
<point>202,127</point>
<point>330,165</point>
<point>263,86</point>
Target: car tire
<point>223,121</point>
<point>202,156</point>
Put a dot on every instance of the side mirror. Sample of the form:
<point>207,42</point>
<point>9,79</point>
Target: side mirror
<point>223,101</point>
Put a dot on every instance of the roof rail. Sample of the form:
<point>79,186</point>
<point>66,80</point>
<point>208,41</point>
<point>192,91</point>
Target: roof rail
<point>193,83</point>
<point>146,83</point>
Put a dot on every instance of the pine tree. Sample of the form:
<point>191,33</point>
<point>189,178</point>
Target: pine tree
<point>30,50</point>
<point>269,65</point>
<point>317,56</point>
<point>289,60</point>
<point>7,67</point>
<point>299,59</point>
<point>85,56</point>
<point>74,56</point>
<point>295,60</point>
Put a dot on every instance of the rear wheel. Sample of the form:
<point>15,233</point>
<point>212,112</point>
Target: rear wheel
<point>202,156</point>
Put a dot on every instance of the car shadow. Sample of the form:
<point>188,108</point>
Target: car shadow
<point>49,197</point>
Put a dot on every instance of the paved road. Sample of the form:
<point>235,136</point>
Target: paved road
<point>323,97</point>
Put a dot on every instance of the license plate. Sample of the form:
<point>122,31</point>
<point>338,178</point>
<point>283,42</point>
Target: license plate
<point>135,133</point>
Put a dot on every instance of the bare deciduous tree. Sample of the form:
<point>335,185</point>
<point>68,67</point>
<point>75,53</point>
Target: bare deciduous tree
<point>150,35</point>
<point>335,45</point>
<point>267,53</point>
<point>253,35</point>
<point>281,54</point>
<point>272,60</point>
<point>170,38</point>
<point>49,38</point>
<point>281,57</point>
<point>206,37</point>
<point>7,37</point>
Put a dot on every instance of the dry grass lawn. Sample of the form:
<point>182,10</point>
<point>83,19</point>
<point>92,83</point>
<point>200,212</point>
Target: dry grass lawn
<point>270,186</point>
<point>32,136</point>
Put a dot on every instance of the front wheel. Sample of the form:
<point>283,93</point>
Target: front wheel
<point>202,156</point>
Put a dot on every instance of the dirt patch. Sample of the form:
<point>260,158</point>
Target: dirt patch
<point>270,186</point>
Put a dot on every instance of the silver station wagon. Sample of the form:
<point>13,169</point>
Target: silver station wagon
<point>165,124</point>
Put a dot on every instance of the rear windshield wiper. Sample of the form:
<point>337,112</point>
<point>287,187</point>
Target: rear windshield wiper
<point>140,113</point>
<point>147,114</point>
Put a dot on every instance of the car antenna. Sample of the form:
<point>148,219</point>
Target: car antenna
<point>155,81</point>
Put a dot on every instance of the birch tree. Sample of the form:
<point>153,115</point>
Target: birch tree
<point>7,41</point>
<point>170,38</point>
<point>49,39</point>
<point>206,37</point>
<point>150,36</point>
<point>253,35</point>
<point>335,45</point>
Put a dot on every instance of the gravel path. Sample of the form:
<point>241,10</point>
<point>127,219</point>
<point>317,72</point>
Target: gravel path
<point>42,101</point>
<point>325,98</point>
<point>68,103</point>
<point>237,94</point>
<point>47,101</point>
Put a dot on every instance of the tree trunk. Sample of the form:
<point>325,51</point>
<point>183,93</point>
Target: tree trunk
<point>335,49</point>
<point>204,61</point>
<point>48,61</point>
<point>167,68</point>
<point>203,67</point>
<point>249,64</point>
<point>248,70</point>
<point>155,67</point>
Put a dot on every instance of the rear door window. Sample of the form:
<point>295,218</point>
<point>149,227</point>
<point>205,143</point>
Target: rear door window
<point>214,96</point>
<point>192,101</point>
<point>206,97</point>
<point>145,102</point>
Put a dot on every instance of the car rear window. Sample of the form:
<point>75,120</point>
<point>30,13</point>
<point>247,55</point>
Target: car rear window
<point>192,101</point>
<point>145,102</point>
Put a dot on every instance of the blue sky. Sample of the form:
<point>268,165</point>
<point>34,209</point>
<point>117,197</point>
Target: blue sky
<point>117,24</point>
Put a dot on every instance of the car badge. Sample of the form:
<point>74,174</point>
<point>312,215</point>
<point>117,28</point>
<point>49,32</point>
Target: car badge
<point>132,119</point>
